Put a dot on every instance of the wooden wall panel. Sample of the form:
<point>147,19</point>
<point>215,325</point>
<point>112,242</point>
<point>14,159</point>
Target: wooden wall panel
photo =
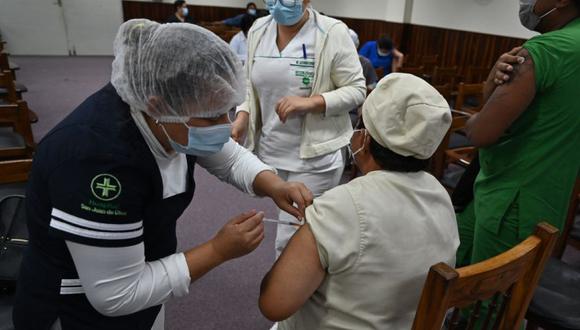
<point>160,12</point>
<point>455,48</point>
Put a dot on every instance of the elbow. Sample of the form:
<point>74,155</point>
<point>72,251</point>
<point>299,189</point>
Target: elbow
<point>480,135</point>
<point>480,140</point>
<point>273,310</point>
<point>110,306</point>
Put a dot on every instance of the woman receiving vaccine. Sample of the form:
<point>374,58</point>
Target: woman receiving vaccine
<point>304,77</point>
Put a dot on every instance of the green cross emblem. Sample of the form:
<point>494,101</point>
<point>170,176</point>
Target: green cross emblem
<point>105,187</point>
<point>306,81</point>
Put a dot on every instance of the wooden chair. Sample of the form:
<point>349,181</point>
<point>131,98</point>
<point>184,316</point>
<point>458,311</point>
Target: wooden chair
<point>470,93</point>
<point>429,62</point>
<point>7,88</point>
<point>9,93</point>
<point>477,74</point>
<point>446,90</point>
<point>15,171</point>
<point>16,139</point>
<point>442,76</point>
<point>13,177</point>
<point>439,159</point>
<point>508,280</point>
<point>5,64</point>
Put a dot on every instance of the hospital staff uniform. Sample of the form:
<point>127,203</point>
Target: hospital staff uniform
<point>102,208</point>
<point>307,148</point>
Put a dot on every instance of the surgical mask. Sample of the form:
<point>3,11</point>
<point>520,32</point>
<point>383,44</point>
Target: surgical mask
<point>382,53</point>
<point>287,16</point>
<point>354,153</point>
<point>185,11</point>
<point>203,141</point>
<point>528,18</point>
<point>252,12</point>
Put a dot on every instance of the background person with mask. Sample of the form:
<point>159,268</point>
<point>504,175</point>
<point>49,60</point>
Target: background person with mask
<point>304,77</point>
<point>361,260</point>
<point>251,9</point>
<point>110,181</point>
<point>528,133</point>
<point>383,54</point>
<point>181,13</point>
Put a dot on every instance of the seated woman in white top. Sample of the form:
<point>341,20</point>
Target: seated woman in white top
<point>361,259</point>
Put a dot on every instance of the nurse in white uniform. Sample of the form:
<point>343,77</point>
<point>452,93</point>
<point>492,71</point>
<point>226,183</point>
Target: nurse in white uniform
<point>304,78</point>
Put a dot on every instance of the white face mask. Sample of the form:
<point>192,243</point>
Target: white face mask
<point>528,18</point>
<point>354,153</point>
<point>381,53</point>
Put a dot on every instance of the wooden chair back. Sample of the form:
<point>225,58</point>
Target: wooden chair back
<point>446,90</point>
<point>17,116</point>
<point>429,61</point>
<point>15,171</point>
<point>439,161</point>
<point>7,82</point>
<point>442,76</point>
<point>467,92</point>
<point>416,71</point>
<point>507,280</point>
<point>4,62</point>
<point>477,74</point>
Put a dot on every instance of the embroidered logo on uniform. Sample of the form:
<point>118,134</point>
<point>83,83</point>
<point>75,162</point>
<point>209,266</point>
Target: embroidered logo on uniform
<point>106,187</point>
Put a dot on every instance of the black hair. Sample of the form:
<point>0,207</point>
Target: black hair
<point>385,42</point>
<point>247,21</point>
<point>178,4</point>
<point>251,4</point>
<point>389,160</point>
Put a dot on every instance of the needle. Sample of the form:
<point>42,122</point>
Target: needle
<point>287,223</point>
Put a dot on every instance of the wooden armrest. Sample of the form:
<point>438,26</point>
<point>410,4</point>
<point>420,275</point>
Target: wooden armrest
<point>15,170</point>
<point>461,156</point>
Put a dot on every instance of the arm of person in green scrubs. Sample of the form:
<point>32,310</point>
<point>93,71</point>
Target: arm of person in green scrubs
<point>505,105</point>
<point>293,279</point>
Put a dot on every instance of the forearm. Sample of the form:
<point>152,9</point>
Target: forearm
<point>318,104</point>
<point>202,259</point>
<point>266,182</point>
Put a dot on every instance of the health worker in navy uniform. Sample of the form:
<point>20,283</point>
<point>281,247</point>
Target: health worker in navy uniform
<point>110,181</point>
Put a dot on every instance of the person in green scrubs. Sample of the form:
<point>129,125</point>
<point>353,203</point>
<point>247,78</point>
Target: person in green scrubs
<point>529,135</point>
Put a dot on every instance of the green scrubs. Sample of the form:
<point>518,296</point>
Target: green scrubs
<point>527,177</point>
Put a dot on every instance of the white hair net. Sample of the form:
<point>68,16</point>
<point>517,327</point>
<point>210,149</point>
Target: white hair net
<point>176,71</point>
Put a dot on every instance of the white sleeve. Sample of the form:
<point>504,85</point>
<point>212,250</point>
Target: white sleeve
<point>118,281</point>
<point>235,165</point>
